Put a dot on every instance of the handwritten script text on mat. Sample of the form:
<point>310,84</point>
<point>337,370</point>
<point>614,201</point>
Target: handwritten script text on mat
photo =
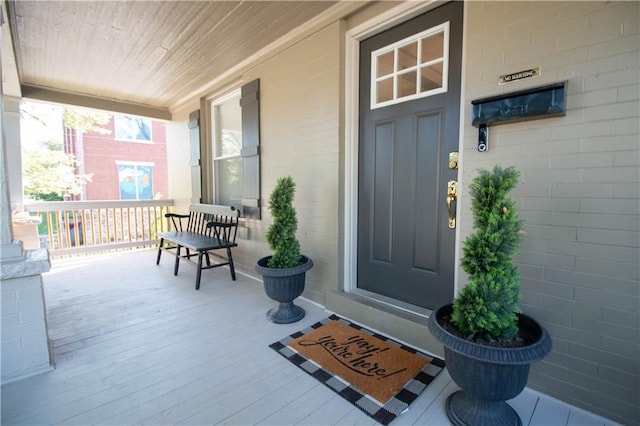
<point>375,367</point>
<point>378,375</point>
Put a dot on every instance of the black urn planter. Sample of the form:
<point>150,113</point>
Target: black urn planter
<point>487,375</point>
<point>283,286</point>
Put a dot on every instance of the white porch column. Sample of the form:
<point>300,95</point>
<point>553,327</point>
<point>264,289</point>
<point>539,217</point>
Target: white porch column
<point>10,250</point>
<point>11,126</point>
<point>24,341</point>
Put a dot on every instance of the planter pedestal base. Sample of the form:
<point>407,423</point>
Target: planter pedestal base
<point>284,286</point>
<point>465,410</point>
<point>488,375</point>
<point>285,313</point>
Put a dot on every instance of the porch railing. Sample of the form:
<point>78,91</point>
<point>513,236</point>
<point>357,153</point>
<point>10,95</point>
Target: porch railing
<point>85,227</point>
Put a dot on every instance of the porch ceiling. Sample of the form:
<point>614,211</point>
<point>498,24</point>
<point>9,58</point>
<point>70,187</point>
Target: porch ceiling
<point>149,53</point>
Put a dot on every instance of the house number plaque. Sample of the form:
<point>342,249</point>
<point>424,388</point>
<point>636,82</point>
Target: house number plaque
<point>520,75</point>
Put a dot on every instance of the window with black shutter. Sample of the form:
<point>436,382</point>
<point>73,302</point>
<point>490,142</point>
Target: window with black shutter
<point>235,147</point>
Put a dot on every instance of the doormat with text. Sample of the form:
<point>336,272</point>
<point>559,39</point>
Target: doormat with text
<point>375,373</point>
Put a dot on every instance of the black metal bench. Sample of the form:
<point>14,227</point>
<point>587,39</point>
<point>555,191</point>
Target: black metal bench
<point>209,229</point>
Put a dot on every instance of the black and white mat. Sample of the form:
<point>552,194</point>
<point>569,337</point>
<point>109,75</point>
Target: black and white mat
<point>382,413</point>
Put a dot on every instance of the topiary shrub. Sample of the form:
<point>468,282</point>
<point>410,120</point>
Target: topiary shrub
<point>487,307</point>
<point>281,235</point>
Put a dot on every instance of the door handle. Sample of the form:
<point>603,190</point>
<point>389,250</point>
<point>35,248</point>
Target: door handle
<point>452,196</point>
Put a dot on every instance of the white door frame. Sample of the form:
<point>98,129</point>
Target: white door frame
<point>392,17</point>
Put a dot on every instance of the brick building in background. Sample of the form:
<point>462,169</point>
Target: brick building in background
<point>128,163</point>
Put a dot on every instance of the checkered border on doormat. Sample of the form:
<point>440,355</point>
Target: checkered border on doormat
<point>381,413</point>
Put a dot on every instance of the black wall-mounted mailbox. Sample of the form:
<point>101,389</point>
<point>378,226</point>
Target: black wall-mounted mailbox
<point>537,102</point>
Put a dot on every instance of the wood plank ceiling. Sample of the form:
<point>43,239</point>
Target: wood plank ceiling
<point>144,52</point>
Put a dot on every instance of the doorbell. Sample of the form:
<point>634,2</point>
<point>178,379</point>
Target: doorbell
<point>483,138</point>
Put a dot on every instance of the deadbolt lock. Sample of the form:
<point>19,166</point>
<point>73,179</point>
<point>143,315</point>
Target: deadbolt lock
<point>452,196</point>
<point>453,160</point>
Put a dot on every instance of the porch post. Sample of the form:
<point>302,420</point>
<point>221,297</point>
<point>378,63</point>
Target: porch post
<point>10,249</point>
<point>25,341</point>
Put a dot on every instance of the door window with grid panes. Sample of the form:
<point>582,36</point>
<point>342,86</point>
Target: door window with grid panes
<point>412,68</point>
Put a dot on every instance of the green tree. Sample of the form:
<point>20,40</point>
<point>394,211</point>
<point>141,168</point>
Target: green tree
<point>281,235</point>
<point>488,305</point>
<point>85,121</point>
<point>50,174</point>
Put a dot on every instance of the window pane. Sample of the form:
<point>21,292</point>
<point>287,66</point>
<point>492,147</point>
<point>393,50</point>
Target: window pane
<point>132,128</point>
<point>410,68</point>
<point>431,77</point>
<point>231,142</point>
<point>407,84</point>
<point>385,64</point>
<point>385,90</point>
<point>136,182</point>
<point>408,56</point>
<point>229,182</point>
<point>145,183</point>
<point>127,179</point>
<point>228,126</point>
<point>432,47</point>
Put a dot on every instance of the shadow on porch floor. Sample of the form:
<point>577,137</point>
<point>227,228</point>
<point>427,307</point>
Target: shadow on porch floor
<point>135,345</point>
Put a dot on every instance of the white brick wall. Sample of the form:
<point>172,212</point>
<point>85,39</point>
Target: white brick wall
<point>24,340</point>
<point>299,124</point>
<point>579,192</point>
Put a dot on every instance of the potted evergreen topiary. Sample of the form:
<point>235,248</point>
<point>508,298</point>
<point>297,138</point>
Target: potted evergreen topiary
<point>285,270</point>
<point>489,344</point>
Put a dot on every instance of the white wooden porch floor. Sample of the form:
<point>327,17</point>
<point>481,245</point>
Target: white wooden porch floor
<point>135,345</point>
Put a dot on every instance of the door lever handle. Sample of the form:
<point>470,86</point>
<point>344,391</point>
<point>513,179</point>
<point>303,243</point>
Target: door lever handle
<point>452,196</point>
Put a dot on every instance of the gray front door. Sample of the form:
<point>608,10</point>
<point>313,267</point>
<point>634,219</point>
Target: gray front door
<point>409,123</point>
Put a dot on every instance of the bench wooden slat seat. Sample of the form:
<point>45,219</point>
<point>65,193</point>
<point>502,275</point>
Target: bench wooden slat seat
<point>209,229</point>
